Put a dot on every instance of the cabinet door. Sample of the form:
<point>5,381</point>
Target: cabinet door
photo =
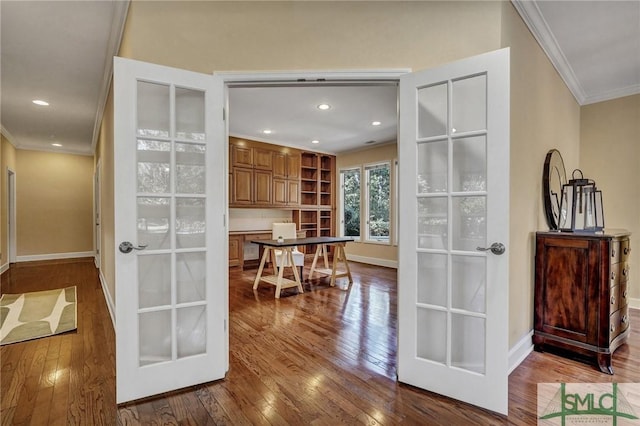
<point>263,182</point>
<point>280,191</point>
<point>293,166</point>
<point>293,188</point>
<point>279,165</point>
<point>263,159</point>
<point>241,156</point>
<point>242,186</point>
<point>235,250</point>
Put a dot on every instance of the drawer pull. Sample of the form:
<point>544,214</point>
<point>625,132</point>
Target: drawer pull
<point>613,252</point>
<point>613,275</point>
<point>624,294</point>
<point>613,300</point>
<point>625,319</point>
<point>625,271</point>
<point>626,250</point>
<point>612,328</point>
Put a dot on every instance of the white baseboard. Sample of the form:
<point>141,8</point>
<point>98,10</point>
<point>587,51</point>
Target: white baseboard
<point>520,351</point>
<point>373,261</point>
<point>634,303</point>
<point>107,297</point>
<point>54,256</point>
<point>4,268</point>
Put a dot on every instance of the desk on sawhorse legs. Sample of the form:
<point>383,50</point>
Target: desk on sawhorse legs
<point>278,279</point>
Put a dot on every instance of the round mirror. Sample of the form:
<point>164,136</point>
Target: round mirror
<point>553,177</point>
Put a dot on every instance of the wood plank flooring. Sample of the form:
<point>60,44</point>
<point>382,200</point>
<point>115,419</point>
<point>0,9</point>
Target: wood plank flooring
<point>325,357</point>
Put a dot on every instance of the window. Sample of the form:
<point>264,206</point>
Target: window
<point>350,197</point>
<point>378,201</point>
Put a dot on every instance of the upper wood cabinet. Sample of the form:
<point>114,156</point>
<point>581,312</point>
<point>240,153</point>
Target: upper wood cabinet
<point>241,156</point>
<point>265,175</point>
<point>263,159</point>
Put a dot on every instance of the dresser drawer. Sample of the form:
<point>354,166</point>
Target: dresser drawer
<point>614,299</point>
<point>618,322</point>
<point>625,250</point>
<point>614,251</point>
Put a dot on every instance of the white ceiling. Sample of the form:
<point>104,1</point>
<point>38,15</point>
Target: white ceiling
<point>61,51</point>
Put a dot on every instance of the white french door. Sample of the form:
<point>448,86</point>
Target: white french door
<point>170,233</point>
<point>454,174</point>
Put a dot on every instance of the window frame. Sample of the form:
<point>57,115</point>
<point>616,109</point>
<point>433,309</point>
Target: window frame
<point>366,168</point>
<point>342,201</point>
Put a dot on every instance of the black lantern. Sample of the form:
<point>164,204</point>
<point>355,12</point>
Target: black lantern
<point>581,205</point>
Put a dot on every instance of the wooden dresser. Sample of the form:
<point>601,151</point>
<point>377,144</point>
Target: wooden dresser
<point>581,303</point>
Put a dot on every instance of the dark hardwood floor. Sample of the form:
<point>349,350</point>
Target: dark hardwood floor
<point>325,357</point>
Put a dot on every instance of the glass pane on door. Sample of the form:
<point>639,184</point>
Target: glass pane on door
<point>469,104</point>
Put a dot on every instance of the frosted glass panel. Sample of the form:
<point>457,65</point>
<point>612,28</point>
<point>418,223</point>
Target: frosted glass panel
<point>432,279</point>
<point>469,104</point>
<point>190,276</point>
<point>432,223</point>
<point>154,280</point>
<point>470,164</point>
<point>154,337</point>
<point>432,167</point>
<point>468,284</point>
<point>154,160</point>
<point>153,110</point>
<point>190,222</point>
<point>432,111</point>
<point>192,331</point>
<point>469,223</point>
<point>467,343</point>
<point>190,168</point>
<point>432,339</point>
<point>189,114</point>
<point>153,222</point>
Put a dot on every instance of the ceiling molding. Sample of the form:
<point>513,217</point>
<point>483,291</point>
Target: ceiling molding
<point>8,136</point>
<point>531,15</point>
<point>613,94</point>
<point>55,150</point>
<point>119,18</point>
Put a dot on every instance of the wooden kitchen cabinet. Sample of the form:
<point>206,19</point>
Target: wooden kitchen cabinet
<point>581,302</point>
<point>236,250</point>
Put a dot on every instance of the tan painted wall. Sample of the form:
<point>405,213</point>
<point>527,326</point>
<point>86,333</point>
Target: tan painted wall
<point>360,158</point>
<point>243,36</point>
<point>54,203</point>
<point>7,160</point>
<point>104,155</point>
<point>208,36</point>
<point>610,155</point>
<point>544,115</point>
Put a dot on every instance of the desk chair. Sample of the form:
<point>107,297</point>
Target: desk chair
<point>287,231</point>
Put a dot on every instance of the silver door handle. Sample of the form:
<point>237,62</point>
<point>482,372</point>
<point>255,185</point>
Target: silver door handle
<point>127,247</point>
<point>495,248</point>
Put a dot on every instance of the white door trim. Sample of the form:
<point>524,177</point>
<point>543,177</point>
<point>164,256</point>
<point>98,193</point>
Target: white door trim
<point>11,215</point>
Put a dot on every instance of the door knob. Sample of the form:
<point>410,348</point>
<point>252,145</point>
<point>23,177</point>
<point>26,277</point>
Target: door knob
<point>127,247</point>
<point>495,248</point>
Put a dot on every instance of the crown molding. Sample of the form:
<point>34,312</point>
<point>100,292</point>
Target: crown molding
<point>118,20</point>
<point>613,94</point>
<point>532,17</point>
<point>8,136</point>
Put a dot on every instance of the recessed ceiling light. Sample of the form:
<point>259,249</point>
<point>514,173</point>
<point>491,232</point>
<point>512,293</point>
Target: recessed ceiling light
<point>324,107</point>
<point>267,131</point>
<point>315,141</point>
<point>40,102</point>
<point>56,144</point>
<point>375,123</point>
